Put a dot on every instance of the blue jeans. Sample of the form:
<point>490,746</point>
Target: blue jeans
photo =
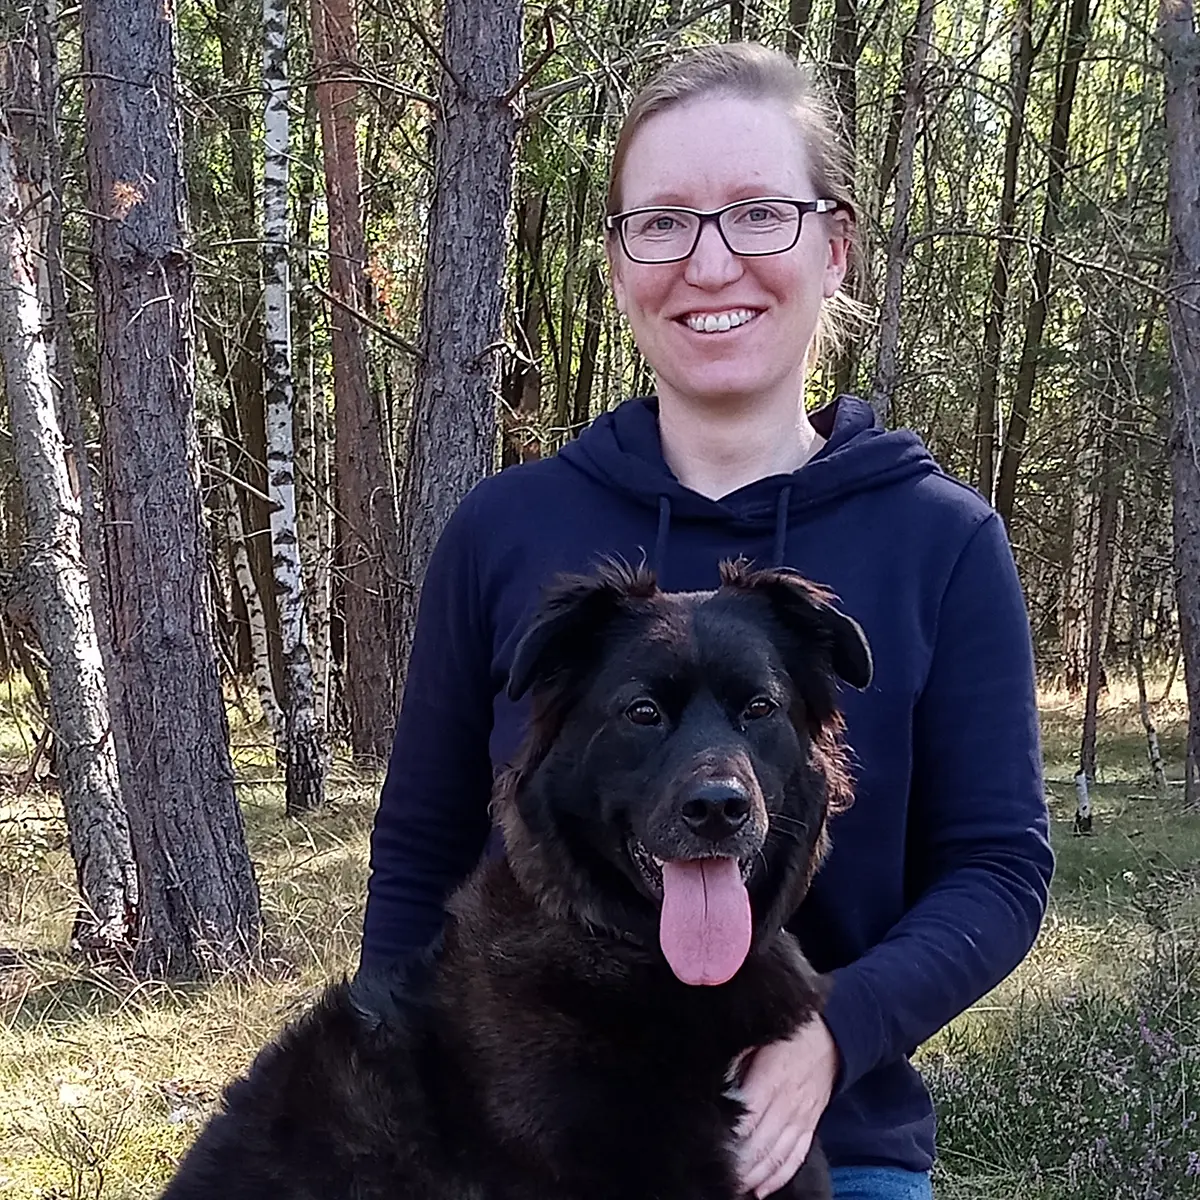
<point>880,1183</point>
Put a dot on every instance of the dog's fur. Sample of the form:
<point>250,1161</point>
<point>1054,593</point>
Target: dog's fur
<point>547,1051</point>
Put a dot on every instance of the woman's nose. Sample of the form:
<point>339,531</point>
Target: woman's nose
<point>712,263</point>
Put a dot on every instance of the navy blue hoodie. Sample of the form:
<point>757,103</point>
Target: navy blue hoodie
<point>938,876</point>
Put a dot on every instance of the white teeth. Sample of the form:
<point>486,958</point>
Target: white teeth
<point>719,322</point>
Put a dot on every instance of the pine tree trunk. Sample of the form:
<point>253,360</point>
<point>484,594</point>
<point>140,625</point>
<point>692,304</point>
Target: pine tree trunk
<point>305,759</point>
<point>1181,46</point>
<point>993,329</point>
<point>1075,43</point>
<point>365,495</point>
<point>54,576</point>
<point>889,321</point>
<point>452,437</point>
<point>198,903</point>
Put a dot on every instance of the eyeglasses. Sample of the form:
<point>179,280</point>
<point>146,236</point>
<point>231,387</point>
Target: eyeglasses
<point>765,225</point>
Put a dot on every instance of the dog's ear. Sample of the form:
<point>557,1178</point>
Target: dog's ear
<point>805,608</point>
<point>566,628</point>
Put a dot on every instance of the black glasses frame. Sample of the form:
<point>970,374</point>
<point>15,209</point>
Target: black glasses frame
<point>617,222</point>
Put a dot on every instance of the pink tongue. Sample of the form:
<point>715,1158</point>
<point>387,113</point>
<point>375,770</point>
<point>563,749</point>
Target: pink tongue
<point>705,925</point>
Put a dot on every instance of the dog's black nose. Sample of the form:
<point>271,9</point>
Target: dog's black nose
<point>716,809</point>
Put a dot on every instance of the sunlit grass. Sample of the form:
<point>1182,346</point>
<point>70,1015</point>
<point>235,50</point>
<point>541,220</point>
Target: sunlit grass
<point>104,1081</point>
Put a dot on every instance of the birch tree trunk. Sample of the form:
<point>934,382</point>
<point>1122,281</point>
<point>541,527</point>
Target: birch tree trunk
<point>314,512</point>
<point>304,766</point>
<point>452,436</point>
<point>198,910</point>
<point>243,580</point>
<point>55,578</point>
<point>889,321</point>
<point>1181,48</point>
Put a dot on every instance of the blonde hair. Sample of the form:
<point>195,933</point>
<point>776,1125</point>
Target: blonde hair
<point>749,71</point>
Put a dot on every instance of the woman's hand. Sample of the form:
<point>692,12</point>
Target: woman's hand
<point>786,1087</point>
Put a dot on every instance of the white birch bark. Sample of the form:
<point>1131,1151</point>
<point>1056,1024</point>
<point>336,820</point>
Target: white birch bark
<point>55,577</point>
<point>260,651</point>
<point>304,768</point>
<point>314,513</point>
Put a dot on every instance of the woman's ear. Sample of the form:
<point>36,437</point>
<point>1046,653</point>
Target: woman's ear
<point>840,227</point>
<point>839,258</point>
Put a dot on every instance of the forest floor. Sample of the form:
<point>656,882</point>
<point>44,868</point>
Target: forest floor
<point>1078,1077</point>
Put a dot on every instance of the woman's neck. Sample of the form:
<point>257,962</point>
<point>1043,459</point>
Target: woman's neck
<point>714,450</point>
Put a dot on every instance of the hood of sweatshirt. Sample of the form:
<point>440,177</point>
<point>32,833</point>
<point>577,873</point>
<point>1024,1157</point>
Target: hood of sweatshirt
<point>622,450</point>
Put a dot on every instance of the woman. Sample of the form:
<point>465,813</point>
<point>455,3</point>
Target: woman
<point>729,232</point>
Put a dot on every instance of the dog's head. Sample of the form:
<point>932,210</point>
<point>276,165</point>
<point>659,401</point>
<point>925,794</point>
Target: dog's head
<point>683,754</point>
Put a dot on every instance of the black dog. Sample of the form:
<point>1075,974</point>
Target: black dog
<point>572,1039</point>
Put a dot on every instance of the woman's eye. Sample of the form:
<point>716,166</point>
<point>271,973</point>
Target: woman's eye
<point>759,707</point>
<point>644,712</point>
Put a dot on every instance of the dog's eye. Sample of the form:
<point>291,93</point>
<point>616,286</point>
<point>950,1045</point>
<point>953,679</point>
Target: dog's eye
<point>759,707</point>
<point>644,712</point>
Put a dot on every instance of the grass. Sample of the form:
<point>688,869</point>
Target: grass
<point>1077,1077</point>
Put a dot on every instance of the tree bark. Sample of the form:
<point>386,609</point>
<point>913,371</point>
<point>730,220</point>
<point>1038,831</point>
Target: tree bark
<point>843,72</point>
<point>889,321</point>
<point>241,340</point>
<point>798,17</point>
<point>1110,492</point>
<point>365,493</point>
<point>53,571</point>
<point>198,910</point>
<point>993,328</point>
<point>523,383</point>
<point>243,580</point>
<point>304,767</point>
<point>452,436</point>
<point>314,511</point>
<point>1153,752</point>
<point>1181,49</point>
<point>1075,42</point>
<point>843,66</point>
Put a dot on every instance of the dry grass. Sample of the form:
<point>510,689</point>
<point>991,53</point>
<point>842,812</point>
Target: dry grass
<point>103,1081</point>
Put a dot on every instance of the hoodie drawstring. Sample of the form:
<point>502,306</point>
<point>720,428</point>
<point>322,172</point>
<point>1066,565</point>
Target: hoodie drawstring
<point>660,541</point>
<point>781,525</point>
<point>778,550</point>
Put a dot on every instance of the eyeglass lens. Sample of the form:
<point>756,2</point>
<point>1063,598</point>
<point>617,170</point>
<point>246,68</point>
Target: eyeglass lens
<point>758,227</point>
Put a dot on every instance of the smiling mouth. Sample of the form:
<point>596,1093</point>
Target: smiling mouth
<point>735,318</point>
<point>650,866</point>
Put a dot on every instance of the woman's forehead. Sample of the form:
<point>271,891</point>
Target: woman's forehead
<point>710,151</point>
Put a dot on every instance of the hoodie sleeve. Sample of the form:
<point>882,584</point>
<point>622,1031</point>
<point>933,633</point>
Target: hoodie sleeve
<point>432,822</point>
<point>979,858</point>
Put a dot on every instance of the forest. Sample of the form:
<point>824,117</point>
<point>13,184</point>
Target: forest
<point>280,282</point>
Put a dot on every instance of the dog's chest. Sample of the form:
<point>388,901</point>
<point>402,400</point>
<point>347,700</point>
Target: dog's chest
<point>625,1091</point>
